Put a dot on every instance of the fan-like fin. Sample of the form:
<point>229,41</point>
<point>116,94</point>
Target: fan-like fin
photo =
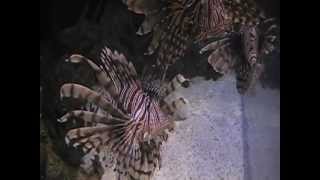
<point>86,116</point>
<point>175,107</point>
<point>81,92</point>
<point>102,77</point>
<point>134,131</point>
<point>84,132</point>
<point>223,56</point>
<point>90,117</point>
<point>179,81</point>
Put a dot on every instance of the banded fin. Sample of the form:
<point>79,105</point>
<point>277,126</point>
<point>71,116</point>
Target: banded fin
<point>177,108</point>
<point>115,138</point>
<point>222,57</point>
<point>89,117</point>
<point>179,81</point>
<point>172,103</point>
<point>102,77</point>
<point>122,138</point>
<point>78,91</point>
<point>80,136</point>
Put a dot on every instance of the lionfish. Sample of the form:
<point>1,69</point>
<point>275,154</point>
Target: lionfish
<point>175,24</point>
<point>135,119</point>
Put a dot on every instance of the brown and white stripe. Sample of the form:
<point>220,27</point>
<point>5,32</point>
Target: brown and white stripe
<point>213,20</point>
<point>135,125</point>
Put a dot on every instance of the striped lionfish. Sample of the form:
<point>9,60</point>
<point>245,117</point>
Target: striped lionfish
<point>175,24</point>
<point>136,121</point>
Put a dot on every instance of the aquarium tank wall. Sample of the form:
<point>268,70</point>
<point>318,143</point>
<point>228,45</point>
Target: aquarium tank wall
<point>160,90</point>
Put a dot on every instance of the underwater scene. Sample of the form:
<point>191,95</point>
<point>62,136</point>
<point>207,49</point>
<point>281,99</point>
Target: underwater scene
<point>159,90</point>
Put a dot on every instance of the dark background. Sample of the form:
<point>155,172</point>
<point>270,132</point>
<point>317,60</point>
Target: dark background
<point>109,22</point>
<point>58,14</point>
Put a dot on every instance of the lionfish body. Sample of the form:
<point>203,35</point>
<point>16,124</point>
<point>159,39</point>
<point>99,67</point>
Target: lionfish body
<point>134,124</point>
<point>177,23</point>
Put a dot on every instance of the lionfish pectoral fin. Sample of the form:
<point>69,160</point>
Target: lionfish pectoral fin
<point>179,81</point>
<point>162,130</point>
<point>102,77</point>
<point>90,117</point>
<point>222,59</point>
<point>107,134</point>
<point>219,64</point>
<point>86,137</point>
<point>215,45</point>
<point>86,116</point>
<point>78,91</point>
<point>135,163</point>
<point>177,108</point>
<point>180,106</point>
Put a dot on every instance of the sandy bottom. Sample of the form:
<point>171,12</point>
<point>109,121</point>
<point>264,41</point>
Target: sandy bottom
<point>226,136</point>
<point>208,145</point>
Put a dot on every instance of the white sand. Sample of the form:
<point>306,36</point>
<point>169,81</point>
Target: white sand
<point>208,145</point>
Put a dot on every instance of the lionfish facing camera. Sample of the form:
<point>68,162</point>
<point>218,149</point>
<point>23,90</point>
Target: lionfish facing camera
<point>136,119</point>
<point>175,24</point>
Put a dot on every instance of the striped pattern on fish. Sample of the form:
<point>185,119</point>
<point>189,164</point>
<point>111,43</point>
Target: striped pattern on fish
<point>175,24</point>
<point>135,125</point>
